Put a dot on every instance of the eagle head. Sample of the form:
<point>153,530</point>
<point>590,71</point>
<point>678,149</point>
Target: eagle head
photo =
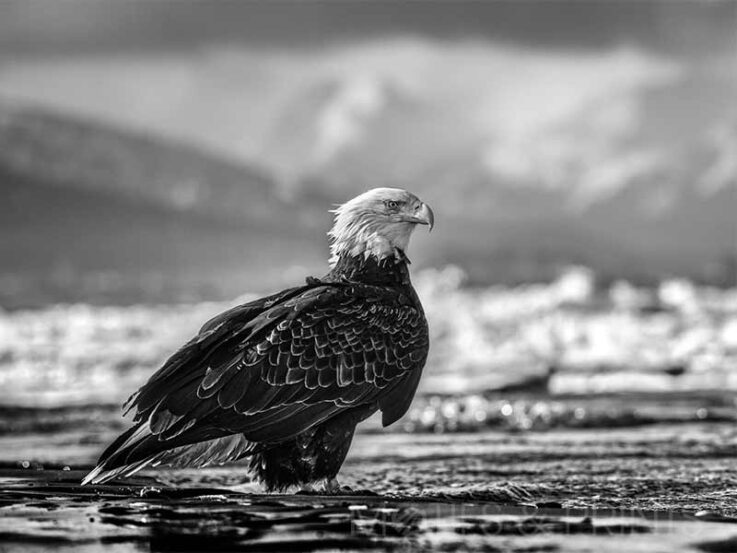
<point>378,222</point>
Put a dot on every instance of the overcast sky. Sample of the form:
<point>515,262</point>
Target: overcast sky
<point>591,96</point>
<point>36,26</point>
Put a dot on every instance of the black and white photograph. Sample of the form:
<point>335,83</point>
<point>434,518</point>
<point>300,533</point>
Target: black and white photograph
<point>387,275</point>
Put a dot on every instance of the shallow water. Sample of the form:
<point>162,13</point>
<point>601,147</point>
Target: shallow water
<point>43,515</point>
<point>659,487</point>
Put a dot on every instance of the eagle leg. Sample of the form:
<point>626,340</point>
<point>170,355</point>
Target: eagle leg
<point>333,487</point>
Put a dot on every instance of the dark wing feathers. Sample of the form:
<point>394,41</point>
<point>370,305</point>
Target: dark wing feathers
<point>275,367</point>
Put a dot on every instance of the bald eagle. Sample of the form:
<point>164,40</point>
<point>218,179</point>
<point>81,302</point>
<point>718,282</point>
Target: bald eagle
<point>285,379</point>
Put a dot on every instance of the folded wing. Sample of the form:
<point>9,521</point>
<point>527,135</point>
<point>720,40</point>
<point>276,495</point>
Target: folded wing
<point>269,370</point>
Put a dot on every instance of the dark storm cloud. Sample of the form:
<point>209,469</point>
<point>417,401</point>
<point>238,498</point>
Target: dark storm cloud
<point>43,26</point>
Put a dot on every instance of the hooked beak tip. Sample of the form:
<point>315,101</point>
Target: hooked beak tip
<point>427,216</point>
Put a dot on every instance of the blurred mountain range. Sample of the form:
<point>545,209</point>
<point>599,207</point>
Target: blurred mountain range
<point>90,213</point>
<point>215,177</point>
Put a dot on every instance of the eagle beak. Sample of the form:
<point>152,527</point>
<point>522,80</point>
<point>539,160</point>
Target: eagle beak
<point>425,216</point>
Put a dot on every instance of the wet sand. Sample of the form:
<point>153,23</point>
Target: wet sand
<point>656,487</point>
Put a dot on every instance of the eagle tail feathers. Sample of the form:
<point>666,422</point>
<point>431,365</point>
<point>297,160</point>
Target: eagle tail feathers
<point>138,448</point>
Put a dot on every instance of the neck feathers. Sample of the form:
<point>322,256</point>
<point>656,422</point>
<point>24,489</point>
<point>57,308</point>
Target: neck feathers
<point>359,234</point>
<point>389,271</point>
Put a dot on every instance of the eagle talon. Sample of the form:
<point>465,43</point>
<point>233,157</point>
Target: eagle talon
<point>333,487</point>
<point>307,489</point>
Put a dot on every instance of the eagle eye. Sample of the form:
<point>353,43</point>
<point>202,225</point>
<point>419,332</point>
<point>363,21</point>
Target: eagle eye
<point>391,204</point>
